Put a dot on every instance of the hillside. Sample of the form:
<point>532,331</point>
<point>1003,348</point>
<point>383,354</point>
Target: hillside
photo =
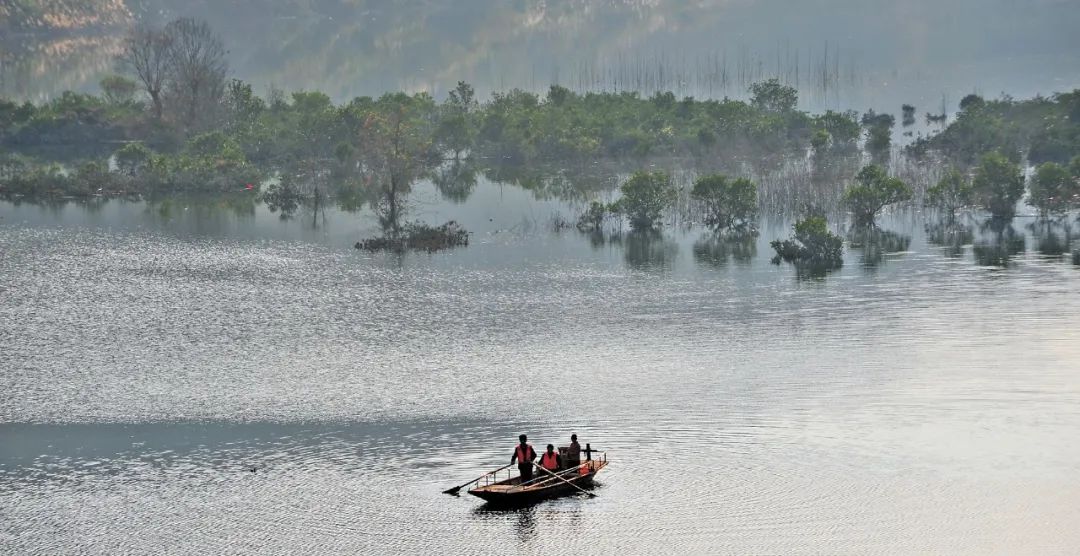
<point>62,15</point>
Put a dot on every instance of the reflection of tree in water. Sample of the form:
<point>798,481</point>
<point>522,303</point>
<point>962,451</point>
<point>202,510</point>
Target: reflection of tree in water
<point>547,183</point>
<point>875,243</point>
<point>951,235</point>
<point>1002,243</point>
<point>646,250</point>
<point>203,207</point>
<point>1052,237</point>
<point>716,250</point>
<point>456,180</point>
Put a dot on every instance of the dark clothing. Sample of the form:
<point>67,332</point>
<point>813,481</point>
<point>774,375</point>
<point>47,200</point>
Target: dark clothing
<point>525,467</point>
<point>573,455</point>
<point>526,471</point>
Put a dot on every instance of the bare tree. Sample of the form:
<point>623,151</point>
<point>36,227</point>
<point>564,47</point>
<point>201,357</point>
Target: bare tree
<point>147,54</point>
<point>197,61</point>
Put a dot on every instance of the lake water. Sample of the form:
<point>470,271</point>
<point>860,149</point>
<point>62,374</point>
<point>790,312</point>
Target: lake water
<point>150,356</point>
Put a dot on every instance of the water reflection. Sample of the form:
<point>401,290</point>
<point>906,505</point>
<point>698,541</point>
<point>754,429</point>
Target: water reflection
<point>646,250</point>
<point>715,250</point>
<point>875,244</point>
<point>999,245</point>
<point>1052,237</point>
<point>951,235</point>
<point>455,180</point>
<point>203,208</point>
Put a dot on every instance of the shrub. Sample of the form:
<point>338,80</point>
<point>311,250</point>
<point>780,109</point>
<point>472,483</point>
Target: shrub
<point>874,189</point>
<point>813,247</point>
<point>645,197</point>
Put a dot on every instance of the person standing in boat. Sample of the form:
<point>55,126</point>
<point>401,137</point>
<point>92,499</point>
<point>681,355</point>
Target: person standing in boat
<point>551,460</point>
<point>573,452</point>
<point>524,456</point>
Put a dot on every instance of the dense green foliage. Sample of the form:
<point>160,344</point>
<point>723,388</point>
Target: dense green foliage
<point>645,197</point>
<point>813,249</point>
<point>998,185</point>
<point>1054,190</point>
<point>878,132</point>
<point>872,191</point>
<point>1040,129</point>
<point>728,205</point>
<point>951,193</point>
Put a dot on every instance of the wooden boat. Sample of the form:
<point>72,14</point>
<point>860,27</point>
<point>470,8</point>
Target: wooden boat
<point>510,491</point>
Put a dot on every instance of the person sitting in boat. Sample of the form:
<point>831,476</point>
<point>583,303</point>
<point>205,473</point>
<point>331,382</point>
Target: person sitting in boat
<point>551,460</point>
<point>573,452</point>
<point>524,456</point>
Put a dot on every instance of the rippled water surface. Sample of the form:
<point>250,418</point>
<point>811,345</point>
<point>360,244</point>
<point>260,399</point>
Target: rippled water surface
<point>920,403</point>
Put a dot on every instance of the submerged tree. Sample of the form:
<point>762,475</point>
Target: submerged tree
<point>908,114</point>
<point>998,185</point>
<point>592,220</point>
<point>878,132</point>
<point>645,197</point>
<point>730,205</point>
<point>772,96</point>
<point>1053,190</point>
<point>394,151</point>
<point>953,192</point>
<point>813,248</point>
<point>874,190</point>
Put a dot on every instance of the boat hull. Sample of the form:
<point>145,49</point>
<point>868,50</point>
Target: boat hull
<point>511,493</point>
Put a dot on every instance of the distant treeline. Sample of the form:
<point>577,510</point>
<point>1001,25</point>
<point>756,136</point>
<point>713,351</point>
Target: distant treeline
<point>175,123</point>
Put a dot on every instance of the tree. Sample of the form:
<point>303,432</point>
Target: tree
<point>813,248</point>
<point>645,197</point>
<point>147,54</point>
<point>394,150</point>
<point>771,96</point>
<point>820,141</point>
<point>951,193</point>
<point>196,59</point>
<point>242,106</point>
<point>463,97</point>
<point>1053,189</point>
<point>998,185</point>
<point>908,111</point>
<point>971,102</point>
<point>118,90</point>
<point>729,204</point>
<point>132,158</point>
<point>874,190</point>
<point>878,132</point>
<point>843,127</point>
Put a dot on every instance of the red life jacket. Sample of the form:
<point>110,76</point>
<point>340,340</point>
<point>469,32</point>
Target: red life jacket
<point>548,461</point>
<point>522,453</point>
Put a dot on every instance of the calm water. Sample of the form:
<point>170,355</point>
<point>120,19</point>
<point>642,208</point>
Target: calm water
<point>150,357</point>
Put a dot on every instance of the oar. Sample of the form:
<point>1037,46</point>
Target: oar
<point>458,488</point>
<point>591,495</point>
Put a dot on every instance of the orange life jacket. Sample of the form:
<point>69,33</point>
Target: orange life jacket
<point>523,453</point>
<point>548,461</point>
